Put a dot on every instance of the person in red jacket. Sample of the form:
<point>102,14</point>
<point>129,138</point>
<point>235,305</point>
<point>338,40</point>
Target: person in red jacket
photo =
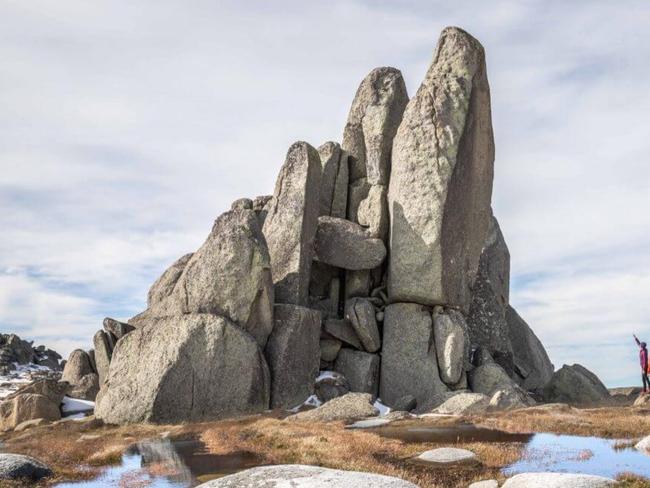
<point>643,359</point>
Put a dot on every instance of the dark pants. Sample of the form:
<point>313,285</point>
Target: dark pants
<point>646,382</point>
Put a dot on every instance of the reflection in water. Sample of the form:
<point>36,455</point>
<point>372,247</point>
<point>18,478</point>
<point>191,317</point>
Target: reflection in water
<point>168,464</point>
<point>454,433</point>
<point>574,454</point>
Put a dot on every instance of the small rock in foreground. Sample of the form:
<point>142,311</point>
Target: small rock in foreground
<point>17,466</point>
<point>485,484</point>
<point>351,406</point>
<point>299,476</point>
<point>557,480</point>
<point>448,456</point>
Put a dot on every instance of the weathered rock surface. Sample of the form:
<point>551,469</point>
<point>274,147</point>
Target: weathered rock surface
<point>575,385</point>
<point>465,404</point>
<point>300,476</point>
<point>76,367</point>
<point>405,403</point>
<point>510,399</point>
<point>441,179</point>
<point>103,353</point>
<point>533,367</point>
<point>485,484</point>
<point>642,401</point>
<point>329,349</point>
<point>557,480</point>
<point>242,204</point>
<point>342,329</point>
<point>86,388</point>
<point>334,180</point>
<point>361,369</point>
<point>361,314</point>
<point>27,406</point>
<point>165,284</point>
<point>293,354</point>
<point>489,378</point>
<point>188,368</point>
<point>17,467</point>
<point>452,344</point>
<point>291,222</point>
<point>347,245</point>
<point>447,456</point>
<point>230,275</point>
<point>351,406</point>
<point>374,117</point>
<point>117,328</point>
<point>330,385</point>
<point>409,365</point>
<point>372,212</point>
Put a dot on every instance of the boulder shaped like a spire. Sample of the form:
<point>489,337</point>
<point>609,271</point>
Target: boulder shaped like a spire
<point>441,178</point>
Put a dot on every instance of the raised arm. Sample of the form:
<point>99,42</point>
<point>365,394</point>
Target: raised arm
<point>638,342</point>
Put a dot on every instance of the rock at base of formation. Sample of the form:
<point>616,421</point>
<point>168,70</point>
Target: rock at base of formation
<point>452,344</point>
<point>465,404</point>
<point>292,353</point>
<point>557,480</point>
<point>409,364</point>
<point>27,406</point>
<point>489,378</point>
<point>533,368</point>
<point>291,222</point>
<point>192,367</point>
<point>360,369</point>
<point>300,476</point>
<point>441,179</point>
<point>361,314</point>
<point>347,245</point>
<point>575,385</point>
<point>352,406</point>
<point>19,467</point>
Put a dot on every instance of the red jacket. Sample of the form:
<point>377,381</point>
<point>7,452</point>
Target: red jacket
<point>643,359</point>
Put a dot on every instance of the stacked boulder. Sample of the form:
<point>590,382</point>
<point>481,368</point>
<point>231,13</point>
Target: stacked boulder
<point>377,260</point>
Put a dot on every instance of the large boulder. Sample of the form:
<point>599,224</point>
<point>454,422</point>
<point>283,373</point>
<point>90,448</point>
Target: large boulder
<point>27,406</point>
<point>557,480</point>
<point>409,365</point>
<point>361,370</point>
<point>165,284</point>
<point>465,404</point>
<point>352,406</point>
<point>117,328</point>
<point>533,368</point>
<point>511,399</point>
<point>186,368</point>
<point>299,476</point>
<point>293,354</point>
<point>486,319</point>
<point>452,344</point>
<point>441,178</point>
<point>374,117</point>
<point>230,275</point>
<point>361,314</point>
<point>47,387</point>
<point>575,385</point>
<point>76,367</point>
<point>291,222</point>
<point>103,343</point>
<point>334,180</point>
<point>489,378</point>
<point>347,245</point>
<point>19,467</point>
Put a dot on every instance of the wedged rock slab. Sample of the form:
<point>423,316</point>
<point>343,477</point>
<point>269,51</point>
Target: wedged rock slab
<point>329,349</point>
<point>373,212</point>
<point>452,344</point>
<point>575,385</point>
<point>373,120</point>
<point>557,480</point>
<point>347,245</point>
<point>291,221</point>
<point>351,406</point>
<point>165,284</point>
<point>334,180</point>
<point>117,328</point>
<point>361,370</point>
<point>441,179</point>
<point>301,476</point>
<point>342,329</point>
<point>191,367</point>
<point>293,353</point>
<point>445,457</point>
<point>103,343</point>
<point>17,467</point>
<point>533,367</point>
<point>409,365</point>
<point>361,314</point>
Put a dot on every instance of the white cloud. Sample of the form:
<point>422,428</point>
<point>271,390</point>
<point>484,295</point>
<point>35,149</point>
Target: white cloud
<point>127,127</point>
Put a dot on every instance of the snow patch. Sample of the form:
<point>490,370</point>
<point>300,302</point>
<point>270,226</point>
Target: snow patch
<point>312,401</point>
<point>328,375</point>
<point>21,375</point>
<point>383,409</point>
<point>72,406</point>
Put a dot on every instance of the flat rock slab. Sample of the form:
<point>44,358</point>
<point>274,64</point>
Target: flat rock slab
<point>557,480</point>
<point>300,476</point>
<point>485,484</point>
<point>465,404</point>
<point>17,466</point>
<point>351,406</point>
<point>347,245</point>
<point>369,423</point>
<point>447,456</point>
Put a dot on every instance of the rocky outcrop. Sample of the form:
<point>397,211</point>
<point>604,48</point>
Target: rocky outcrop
<point>103,343</point>
<point>199,367</point>
<point>575,385</point>
<point>296,475</point>
<point>347,245</point>
<point>361,370</point>
<point>16,351</point>
<point>293,354</point>
<point>465,404</point>
<point>409,362</point>
<point>117,328</point>
<point>441,179</point>
<point>291,222</point>
<point>27,406</point>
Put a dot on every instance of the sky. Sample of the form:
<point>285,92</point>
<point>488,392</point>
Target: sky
<point>127,127</point>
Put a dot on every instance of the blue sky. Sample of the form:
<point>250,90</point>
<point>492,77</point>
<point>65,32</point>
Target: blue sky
<point>127,127</point>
